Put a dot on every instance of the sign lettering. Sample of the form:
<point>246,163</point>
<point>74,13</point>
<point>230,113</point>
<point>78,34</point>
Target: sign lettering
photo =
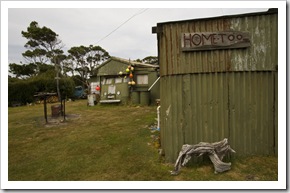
<point>214,40</point>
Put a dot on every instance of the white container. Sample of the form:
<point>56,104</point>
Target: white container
<point>91,99</point>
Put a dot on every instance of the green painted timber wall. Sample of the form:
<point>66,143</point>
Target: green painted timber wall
<point>152,77</point>
<point>211,95</point>
<point>121,87</point>
<point>111,69</point>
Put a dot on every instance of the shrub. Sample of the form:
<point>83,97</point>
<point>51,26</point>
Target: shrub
<point>22,91</point>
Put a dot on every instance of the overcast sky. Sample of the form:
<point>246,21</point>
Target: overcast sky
<point>76,27</point>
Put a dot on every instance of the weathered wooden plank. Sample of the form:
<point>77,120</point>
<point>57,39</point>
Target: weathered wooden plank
<point>216,152</point>
<point>215,40</point>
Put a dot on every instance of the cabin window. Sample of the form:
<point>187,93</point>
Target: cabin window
<point>118,80</point>
<point>103,81</point>
<point>93,87</point>
<point>109,81</point>
<point>112,89</point>
<point>142,79</point>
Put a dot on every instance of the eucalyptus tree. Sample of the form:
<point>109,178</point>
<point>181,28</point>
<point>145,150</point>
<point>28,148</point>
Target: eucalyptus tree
<point>150,60</point>
<point>77,57</point>
<point>22,70</point>
<point>96,55</point>
<point>85,59</point>
<point>44,47</point>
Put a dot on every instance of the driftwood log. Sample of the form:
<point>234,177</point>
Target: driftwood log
<point>216,152</point>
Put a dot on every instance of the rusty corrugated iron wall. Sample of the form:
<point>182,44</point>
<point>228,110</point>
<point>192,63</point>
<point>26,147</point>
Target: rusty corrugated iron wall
<point>210,95</point>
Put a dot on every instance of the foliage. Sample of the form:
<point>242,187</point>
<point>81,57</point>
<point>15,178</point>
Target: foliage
<point>43,68</point>
<point>84,60</point>
<point>67,87</point>
<point>22,91</point>
<point>29,70</point>
<point>77,80</point>
<point>149,60</point>
<point>43,47</point>
<point>43,44</point>
<point>45,82</point>
<point>22,70</point>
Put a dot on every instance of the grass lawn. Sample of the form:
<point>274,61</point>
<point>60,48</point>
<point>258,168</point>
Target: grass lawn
<point>105,143</point>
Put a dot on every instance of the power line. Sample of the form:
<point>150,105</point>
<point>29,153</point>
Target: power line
<point>138,13</point>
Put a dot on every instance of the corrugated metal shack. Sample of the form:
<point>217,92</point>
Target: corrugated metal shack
<point>115,83</point>
<point>219,80</point>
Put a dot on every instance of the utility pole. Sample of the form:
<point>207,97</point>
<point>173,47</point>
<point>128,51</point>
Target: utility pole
<point>57,79</point>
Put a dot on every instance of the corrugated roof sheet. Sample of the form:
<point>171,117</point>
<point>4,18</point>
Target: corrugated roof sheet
<point>269,11</point>
<point>129,62</point>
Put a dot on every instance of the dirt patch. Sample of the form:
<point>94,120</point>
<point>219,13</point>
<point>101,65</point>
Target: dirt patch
<point>60,121</point>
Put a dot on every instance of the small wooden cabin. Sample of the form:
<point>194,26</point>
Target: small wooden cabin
<point>118,86</point>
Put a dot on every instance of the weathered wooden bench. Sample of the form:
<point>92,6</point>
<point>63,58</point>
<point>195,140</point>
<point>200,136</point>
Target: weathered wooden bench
<point>110,101</point>
<point>216,152</point>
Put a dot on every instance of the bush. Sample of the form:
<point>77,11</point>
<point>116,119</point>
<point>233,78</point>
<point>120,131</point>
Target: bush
<point>22,91</point>
<point>67,87</point>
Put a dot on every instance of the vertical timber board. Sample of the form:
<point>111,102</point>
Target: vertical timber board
<point>174,126</point>
<point>251,112</point>
<point>187,108</point>
<point>199,107</point>
<point>211,97</point>
<point>170,61</point>
<point>276,113</point>
<point>163,116</point>
<point>163,60</point>
<point>270,116</point>
<point>181,122</point>
<point>166,116</point>
<point>194,108</point>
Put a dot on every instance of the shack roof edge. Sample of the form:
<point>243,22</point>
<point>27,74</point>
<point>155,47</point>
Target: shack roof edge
<point>133,63</point>
<point>269,11</point>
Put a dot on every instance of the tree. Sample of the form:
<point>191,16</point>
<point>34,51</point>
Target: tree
<point>43,68</point>
<point>22,70</point>
<point>84,60</point>
<point>96,55</point>
<point>43,47</point>
<point>77,56</point>
<point>150,60</point>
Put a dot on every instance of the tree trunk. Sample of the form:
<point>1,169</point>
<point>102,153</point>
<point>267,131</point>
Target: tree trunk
<point>57,81</point>
<point>57,86</point>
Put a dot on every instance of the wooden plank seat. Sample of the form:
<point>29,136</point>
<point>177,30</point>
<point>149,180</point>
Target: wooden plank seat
<point>110,101</point>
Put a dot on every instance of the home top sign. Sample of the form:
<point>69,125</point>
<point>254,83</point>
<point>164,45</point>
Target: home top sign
<point>214,40</point>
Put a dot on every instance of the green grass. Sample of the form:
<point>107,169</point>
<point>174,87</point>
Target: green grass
<point>105,143</point>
